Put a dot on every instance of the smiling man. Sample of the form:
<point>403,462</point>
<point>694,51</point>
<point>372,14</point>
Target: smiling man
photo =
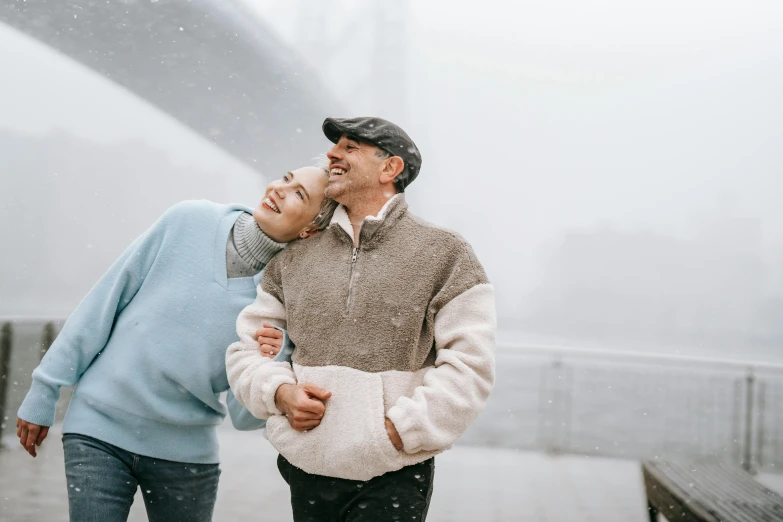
<point>392,316</point>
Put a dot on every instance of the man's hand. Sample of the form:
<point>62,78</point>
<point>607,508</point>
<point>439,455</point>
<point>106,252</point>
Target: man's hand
<point>270,340</point>
<point>30,435</point>
<point>303,404</point>
<point>394,437</point>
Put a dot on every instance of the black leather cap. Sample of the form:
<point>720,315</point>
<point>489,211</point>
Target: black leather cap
<point>384,135</point>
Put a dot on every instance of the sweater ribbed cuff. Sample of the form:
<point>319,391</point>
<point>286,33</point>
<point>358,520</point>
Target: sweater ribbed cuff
<point>253,246</point>
<point>39,404</point>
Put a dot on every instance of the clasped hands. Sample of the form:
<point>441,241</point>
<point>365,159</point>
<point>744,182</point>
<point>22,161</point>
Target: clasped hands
<point>304,404</point>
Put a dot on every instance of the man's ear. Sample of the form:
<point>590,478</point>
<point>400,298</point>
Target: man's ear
<point>391,168</point>
<point>307,232</point>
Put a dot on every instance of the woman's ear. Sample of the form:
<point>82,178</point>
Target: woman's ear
<point>307,232</point>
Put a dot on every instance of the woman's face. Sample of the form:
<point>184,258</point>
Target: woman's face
<point>290,204</point>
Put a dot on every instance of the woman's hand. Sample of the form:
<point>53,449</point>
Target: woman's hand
<point>270,340</point>
<point>30,435</point>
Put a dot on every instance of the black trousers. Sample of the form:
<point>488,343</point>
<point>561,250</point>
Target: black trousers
<point>397,495</point>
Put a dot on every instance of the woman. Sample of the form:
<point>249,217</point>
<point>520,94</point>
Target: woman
<point>146,351</point>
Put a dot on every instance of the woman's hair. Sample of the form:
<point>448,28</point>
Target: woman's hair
<point>328,206</point>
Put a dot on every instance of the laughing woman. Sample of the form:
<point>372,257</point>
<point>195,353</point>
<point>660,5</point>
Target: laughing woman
<point>146,351</point>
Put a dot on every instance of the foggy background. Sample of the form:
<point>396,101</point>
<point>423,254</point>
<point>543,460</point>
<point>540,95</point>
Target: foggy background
<point>616,165</point>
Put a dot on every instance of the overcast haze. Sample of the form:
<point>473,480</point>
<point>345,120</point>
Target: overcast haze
<point>537,118</point>
<point>556,137</point>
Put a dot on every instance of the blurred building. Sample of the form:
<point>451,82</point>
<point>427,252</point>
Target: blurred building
<point>647,286</point>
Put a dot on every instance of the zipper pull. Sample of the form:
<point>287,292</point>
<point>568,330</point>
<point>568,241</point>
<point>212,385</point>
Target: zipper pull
<point>355,253</point>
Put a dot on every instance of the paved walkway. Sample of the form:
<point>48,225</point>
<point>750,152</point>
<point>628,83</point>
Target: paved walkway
<point>471,484</point>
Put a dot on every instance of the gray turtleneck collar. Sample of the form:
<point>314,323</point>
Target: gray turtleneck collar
<point>248,249</point>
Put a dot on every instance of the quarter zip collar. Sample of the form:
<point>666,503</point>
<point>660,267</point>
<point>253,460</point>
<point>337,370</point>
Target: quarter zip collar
<point>370,232</point>
<point>389,214</point>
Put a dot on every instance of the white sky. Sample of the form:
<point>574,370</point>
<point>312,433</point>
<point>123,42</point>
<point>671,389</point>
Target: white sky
<point>534,117</point>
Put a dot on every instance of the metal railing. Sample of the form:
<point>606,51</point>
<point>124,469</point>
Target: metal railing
<point>628,405</point>
<point>564,400</point>
<point>23,342</point>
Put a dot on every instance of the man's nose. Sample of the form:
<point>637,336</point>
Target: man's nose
<point>334,153</point>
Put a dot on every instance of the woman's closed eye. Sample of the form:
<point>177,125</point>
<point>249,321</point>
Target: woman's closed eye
<point>299,193</point>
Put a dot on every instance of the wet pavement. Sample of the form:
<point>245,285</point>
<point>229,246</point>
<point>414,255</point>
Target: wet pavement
<point>471,484</point>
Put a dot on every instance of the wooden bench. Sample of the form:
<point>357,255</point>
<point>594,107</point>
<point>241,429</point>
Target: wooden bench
<point>707,492</point>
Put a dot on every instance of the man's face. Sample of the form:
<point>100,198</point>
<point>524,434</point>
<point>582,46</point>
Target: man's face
<point>354,170</point>
<point>291,203</point>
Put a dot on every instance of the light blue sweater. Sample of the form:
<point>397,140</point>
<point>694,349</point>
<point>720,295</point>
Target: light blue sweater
<point>147,344</point>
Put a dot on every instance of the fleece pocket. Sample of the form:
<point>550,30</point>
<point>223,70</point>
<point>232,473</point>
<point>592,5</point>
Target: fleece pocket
<point>351,441</point>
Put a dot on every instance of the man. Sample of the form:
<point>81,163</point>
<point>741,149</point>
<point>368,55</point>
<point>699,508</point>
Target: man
<point>394,325</point>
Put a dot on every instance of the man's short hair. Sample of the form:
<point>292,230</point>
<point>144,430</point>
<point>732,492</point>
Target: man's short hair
<point>381,154</point>
<point>384,154</point>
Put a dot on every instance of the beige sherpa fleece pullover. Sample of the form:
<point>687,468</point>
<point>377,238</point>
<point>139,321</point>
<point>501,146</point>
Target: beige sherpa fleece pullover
<point>403,326</point>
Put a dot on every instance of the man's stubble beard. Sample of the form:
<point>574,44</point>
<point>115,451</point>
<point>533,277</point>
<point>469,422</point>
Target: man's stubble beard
<point>347,189</point>
<point>333,192</point>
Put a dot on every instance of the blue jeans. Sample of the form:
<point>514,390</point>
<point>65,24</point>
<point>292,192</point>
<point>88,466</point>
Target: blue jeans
<point>102,480</point>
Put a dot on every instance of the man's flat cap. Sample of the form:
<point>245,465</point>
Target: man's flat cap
<point>384,135</point>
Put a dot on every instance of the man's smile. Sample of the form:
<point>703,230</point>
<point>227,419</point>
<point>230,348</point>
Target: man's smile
<point>337,170</point>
